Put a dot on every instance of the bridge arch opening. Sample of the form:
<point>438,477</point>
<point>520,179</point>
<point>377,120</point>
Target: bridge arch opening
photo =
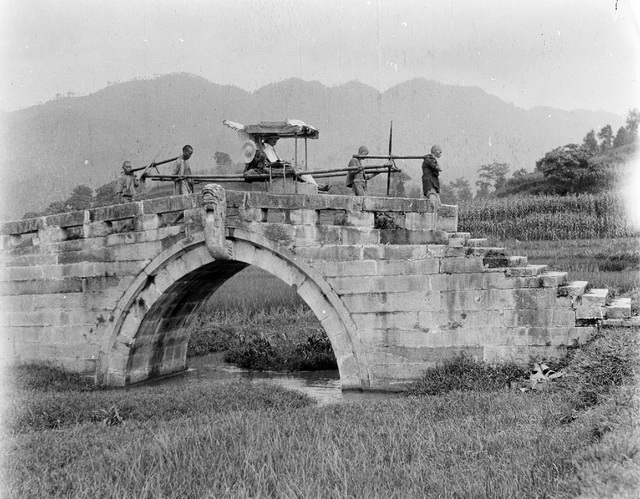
<point>156,316</point>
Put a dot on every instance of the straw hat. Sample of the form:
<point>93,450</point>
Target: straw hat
<point>248,150</point>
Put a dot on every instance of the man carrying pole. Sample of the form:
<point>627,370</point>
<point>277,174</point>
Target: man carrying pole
<point>127,184</point>
<point>183,184</point>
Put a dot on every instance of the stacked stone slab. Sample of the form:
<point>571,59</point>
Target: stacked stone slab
<point>113,292</point>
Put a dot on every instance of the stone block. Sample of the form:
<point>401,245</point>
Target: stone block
<point>348,268</point>
<point>330,252</point>
<point>454,282</point>
<point>332,217</point>
<point>595,297</point>
<point>553,279</point>
<point>38,287</point>
<point>404,236</point>
<point>69,219</point>
<point>118,211</point>
<point>378,284</point>
<point>383,204</point>
<point>391,252</point>
<point>98,229</point>
<point>619,308</point>
<point>461,265</point>
<point>358,235</point>
<point>413,301</point>
<point>21,273</point>
<point>168,204</point>
<point>142,251</point>
<point>475,299</point>
<point>420,221</point>
<point>303,217</point>
<point>527,271</point>
<point>493,262</point>
<point>359,219</point>
<point>276,216</point>
<point>50,235</point>
<point>589,312</point>
<point>528,317</point>
<point>386,320</point>
<point>574,288</point>
<point>427,266</point>
<point>22,226</point>
<point>533,298</point>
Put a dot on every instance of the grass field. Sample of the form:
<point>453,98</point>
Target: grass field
<point>579,437</point>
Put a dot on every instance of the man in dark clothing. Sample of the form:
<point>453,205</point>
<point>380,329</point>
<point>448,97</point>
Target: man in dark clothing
<point>430,177</point>
<point>357,179</point>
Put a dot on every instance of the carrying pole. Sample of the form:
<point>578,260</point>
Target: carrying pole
<point>390,147</point>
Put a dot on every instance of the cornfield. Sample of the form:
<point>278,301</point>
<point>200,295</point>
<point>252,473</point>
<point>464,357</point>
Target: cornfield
<point>539,218</point>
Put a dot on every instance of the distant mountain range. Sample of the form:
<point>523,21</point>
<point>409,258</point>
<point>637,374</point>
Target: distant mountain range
<point>50,148</point>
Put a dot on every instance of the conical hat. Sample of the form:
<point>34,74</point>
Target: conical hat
<point>248,151</point>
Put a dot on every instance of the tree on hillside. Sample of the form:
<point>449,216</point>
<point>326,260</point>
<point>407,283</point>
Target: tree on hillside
<point>633,118</point>
<point>569,170</point>
<point>223,160</point>
<point>80,199</point>
<point>492,177</point>
<point>447,194</point>
<point>590,143</point>
<point>606,137</point>
<point>106,195</point>
<point>461,190</point>
<point>397,188</point>
<point>622,138</point>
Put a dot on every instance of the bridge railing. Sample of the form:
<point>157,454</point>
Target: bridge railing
<point>404,213</point>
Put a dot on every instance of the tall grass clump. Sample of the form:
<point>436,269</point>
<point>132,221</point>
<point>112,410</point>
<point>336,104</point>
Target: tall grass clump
<point>529,218</point>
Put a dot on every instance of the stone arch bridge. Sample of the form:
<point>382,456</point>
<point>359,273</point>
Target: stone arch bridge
<point>111,292</point>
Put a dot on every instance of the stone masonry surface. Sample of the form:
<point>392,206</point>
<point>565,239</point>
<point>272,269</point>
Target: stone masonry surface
<point>111,292</point>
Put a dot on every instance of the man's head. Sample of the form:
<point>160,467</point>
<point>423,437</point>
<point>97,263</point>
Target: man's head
<point>126,167</point>
<point>271,141</point>
<point>436,151</point>
<point>363,151</point>
<point>187,151</point>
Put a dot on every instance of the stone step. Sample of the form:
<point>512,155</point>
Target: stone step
<point>486,251</point>
<point>626,322</point>
<point>596,297</point>
<point>573,289</point>
<point>475,242</point>
<point>528,271</point>
<point>619,308</point>
<point>405,236</point>
<point>552,279</point>
<point>494,262</point>
<point>457,235</point>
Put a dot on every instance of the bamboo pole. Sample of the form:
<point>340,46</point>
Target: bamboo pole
<point>386,156</point>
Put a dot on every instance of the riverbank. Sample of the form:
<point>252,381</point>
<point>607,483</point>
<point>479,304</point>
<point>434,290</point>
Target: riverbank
<point>579,436</point>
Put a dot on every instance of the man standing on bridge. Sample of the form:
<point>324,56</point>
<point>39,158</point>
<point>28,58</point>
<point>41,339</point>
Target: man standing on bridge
<point>127,184</point>
<point>430,177</point>
<point>357,179</point>
<point>183,184</point>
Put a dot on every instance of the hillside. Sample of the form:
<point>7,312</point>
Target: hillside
<point>50,148</point>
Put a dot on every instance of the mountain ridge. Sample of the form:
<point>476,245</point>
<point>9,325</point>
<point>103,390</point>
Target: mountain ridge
<point>52,147</point>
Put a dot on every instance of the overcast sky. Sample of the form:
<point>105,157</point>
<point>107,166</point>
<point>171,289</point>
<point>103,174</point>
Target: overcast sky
<point>559,53</point>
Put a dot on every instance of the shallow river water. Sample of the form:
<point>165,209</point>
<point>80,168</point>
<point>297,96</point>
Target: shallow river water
<point>324,386</point>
